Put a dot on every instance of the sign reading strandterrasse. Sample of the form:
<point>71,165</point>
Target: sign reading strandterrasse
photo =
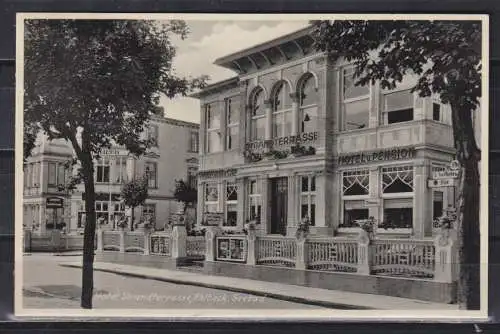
<point>382,155</point>
<point>303,138</point>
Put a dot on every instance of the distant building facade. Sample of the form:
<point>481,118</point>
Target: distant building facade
<point>292,138</point>
<point>46,204</point>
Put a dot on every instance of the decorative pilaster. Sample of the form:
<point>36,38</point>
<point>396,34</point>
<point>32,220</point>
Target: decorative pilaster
<point>202,130</point>
<point>375,113</point>
<point>240,182</point>
<point>320,199</point>
<point>422,202</point>
<point>265,195</point>
<point>200,203</point>
<point>147,247</point>
<point>295,114</point>
<point>210,238</point>
<point>251,247</point>
<point>375,211</point>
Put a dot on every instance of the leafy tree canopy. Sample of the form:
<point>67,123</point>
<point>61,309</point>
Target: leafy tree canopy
<point>98,81</point>
<point>185,193</point>
<point>446,55</point>
<point>135,192</point>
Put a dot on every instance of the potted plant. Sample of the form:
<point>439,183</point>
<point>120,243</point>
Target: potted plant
<point>303,228</point>
<point>368,227</point>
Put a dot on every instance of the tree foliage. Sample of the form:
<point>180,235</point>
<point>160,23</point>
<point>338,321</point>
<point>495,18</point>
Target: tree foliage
<point>135,192</point>
<point>185,193</point>
<point>96,83</point>
<point>446,56</point>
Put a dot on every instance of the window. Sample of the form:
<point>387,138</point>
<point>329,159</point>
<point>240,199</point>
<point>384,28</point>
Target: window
<point>81,215</point>
<point>282,112</point>
<point>308,99</point>
<point>308,199</point>
<point>211,197</point>
<point>231,125</point>
<point>437,204</point>
<point>397,179</point>
<point>354,210</point>
<point>52,174</point>
<point>102,210</point>
<point>191,178</point>
<point>308,93</point>
<point>436,112</point>
<point>213,129</point>
<point>194,142</point>
<point>103,167</point>
<point>356,183</point>
<point>398,107</point>
<point>258,126</point>
<point>152,135</point>
<point>398,207</point>
<point>36,174</point>
<point>118,210</point>
<point>356,102</point>
<point>231,204</point>
<point>120,170</point>
<point>151,174</point>
<point>149,212</point>
<point>255,205</point>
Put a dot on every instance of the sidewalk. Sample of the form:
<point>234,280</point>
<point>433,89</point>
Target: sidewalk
<point>293,293</point>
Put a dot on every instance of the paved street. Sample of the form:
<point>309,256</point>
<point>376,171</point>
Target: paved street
<point>48,285</point>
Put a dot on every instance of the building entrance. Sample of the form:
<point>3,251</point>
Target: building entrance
<point>279,205</point>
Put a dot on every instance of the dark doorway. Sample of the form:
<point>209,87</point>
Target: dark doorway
<point>279,205</point>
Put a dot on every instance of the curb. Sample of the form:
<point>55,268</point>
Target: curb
<point>278,296</point>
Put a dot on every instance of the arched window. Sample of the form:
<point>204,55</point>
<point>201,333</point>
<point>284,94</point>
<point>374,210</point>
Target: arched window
<point>307,93</point>
<point>258,126</point>
<point>308,100</point>
<point>282,110</point>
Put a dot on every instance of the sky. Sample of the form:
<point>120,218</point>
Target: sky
<point>209,40</point>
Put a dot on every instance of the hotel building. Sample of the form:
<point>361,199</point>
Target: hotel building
<point>291,137</point>
<point>174,156</point>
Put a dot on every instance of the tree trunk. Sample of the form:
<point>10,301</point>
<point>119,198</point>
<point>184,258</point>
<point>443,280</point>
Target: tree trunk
<point>133,219</point>
<point>88,234</point>
<point>468,155</point>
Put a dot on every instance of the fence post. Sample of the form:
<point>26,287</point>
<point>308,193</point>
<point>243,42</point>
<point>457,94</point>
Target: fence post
<point>122,240</point>
<point>445,256</point>
<point>365,251</point>
<point>100,240</point>
<point>147,234</point>
<point>27,241</point>
<point>251,247</point>
<point>210,236</point>
<point>301,259</point>
<point>179,236</point>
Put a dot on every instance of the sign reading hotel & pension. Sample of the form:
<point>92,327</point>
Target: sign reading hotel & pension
<point>382,155</point>
<point>303,138</point>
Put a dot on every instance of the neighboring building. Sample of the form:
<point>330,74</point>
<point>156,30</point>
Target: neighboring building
<point>363,151</point>
<point>174,157</point>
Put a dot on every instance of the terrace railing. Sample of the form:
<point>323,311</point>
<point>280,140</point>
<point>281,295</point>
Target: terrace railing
<point>276,251</point>
<point>332,254</point>
<point>195,246</point>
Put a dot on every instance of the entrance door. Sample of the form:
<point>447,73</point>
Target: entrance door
<point>279,205</point>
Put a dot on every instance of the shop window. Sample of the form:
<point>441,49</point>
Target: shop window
<point>151,174</point>
<point>356,183</point>
<point>398,213</point>
<point>398,106</point>
<point>103,168</point>
<point>353,212</point>
<point>356,102</point>
<point>231,205</point>
<point>255,205</point>
<point>211,197</point>
<point>308,199</point>
<point>437,204</point>
<point>282,112</point>
<point>213,139</point>
<point>397,179</point>
<point>258,126</point>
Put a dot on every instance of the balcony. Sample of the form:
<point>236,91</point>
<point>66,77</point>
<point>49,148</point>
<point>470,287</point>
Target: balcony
<point>415,133</point>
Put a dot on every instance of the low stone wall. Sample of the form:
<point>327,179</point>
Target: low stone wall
<point>425,290</point>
